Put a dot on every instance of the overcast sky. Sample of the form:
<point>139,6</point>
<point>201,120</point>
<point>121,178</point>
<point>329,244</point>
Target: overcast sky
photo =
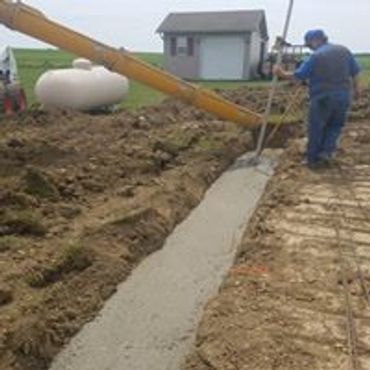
<point>132,23</point>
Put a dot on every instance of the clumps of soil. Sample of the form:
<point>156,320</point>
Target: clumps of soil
<point>175,143</point>
<point>21,222</point>
<point>37,184</point>
<point>72,258</point>
<point>6,295</point>
<point>16,200</point>
<point>26,340</point>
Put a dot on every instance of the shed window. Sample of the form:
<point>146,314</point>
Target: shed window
<point>182,46</point>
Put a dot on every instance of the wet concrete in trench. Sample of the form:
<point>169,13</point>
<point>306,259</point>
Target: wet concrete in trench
<point>150,323</point>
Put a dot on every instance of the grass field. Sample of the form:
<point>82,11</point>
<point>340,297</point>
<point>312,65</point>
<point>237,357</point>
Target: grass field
<point>32,63</point>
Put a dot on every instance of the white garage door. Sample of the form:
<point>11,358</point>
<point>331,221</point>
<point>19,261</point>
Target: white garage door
<point>222,58</point>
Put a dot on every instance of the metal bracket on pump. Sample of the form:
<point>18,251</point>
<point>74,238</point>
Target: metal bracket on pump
<point>274,83</point>
<point>100,52</point>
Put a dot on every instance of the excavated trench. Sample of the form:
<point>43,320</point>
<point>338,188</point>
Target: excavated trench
<point>151,320</point>
<point>85,200</point>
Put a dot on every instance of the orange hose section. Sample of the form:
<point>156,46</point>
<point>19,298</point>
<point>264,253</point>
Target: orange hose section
<point>31,22</point>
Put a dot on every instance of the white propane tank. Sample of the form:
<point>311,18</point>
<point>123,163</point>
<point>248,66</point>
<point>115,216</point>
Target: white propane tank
<point>84,87</point>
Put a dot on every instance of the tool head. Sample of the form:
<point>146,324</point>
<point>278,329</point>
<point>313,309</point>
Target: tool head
<point>262,163</point>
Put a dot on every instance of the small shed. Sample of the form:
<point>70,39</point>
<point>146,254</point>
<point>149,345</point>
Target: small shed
<point>230,45</point>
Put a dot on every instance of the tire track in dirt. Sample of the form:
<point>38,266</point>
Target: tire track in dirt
<point>296,298</point>
<point>150,322</point>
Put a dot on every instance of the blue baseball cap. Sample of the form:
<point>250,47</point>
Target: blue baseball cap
<point>315,35</point>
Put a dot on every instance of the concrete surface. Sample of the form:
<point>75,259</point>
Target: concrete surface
<point>150,323</point>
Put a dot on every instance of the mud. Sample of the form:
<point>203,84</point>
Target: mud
<point>297,296</point>
<point>84,199</point>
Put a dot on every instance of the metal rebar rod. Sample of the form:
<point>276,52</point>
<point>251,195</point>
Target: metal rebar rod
<point>274,82</point>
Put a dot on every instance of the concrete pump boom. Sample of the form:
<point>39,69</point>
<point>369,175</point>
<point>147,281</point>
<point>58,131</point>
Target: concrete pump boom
<point>30,21</point>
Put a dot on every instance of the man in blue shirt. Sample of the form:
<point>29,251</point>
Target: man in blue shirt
<point>332,73</point>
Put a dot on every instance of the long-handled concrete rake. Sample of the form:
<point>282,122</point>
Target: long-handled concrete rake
<point>274,84</point>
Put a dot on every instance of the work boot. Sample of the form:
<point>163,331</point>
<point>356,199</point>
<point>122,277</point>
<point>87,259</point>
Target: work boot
<point>327,159</point>
<point>313,165</point>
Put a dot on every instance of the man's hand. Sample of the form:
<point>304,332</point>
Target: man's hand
<point>278,71</point>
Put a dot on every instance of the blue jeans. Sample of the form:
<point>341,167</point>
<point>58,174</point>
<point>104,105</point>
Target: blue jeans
<point>327,117</point>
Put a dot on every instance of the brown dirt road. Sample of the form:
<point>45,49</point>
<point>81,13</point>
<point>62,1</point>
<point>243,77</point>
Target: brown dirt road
<point>298,294</point>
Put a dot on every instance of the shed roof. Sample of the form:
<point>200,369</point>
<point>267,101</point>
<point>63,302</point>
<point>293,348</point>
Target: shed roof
<point>226,21</point>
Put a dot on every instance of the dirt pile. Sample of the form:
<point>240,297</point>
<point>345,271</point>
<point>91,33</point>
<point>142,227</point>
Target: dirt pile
<point>297,296</point>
